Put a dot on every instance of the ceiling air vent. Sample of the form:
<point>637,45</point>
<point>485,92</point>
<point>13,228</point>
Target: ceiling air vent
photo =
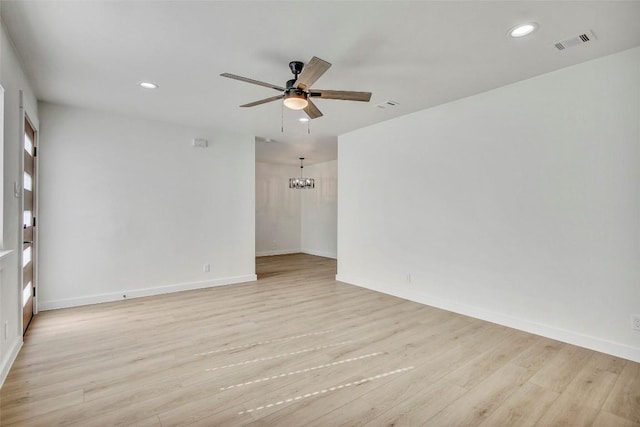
<point>387,104</point>
<point>575,41</point>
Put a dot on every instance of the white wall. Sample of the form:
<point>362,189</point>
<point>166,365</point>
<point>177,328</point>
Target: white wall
<point>277,210</point>
<point>519,205</point>
<point>129,206</point>
<point>14,80</point>
<point>320,211</point>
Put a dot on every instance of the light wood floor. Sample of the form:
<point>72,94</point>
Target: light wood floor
<point>298,348</point>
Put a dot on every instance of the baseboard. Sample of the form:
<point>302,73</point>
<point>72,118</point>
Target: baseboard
<point>323,254</point>
<point>278,252</point>
<point>138,293</point>
<point>7,362</point>
<point>549,331</point>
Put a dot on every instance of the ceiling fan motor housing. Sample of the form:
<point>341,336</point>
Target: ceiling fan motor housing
<point>294,91</point>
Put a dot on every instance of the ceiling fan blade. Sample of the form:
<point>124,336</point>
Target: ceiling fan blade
<point>263,101</point>
<point>346,95</point>
<point>312,111</point>
<point>255,82</point>
<point>312,72</point>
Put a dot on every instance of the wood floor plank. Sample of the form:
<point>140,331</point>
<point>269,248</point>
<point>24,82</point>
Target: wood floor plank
<point>624,399</point>
<point>562,368</point>
<point>487,363</point>
<point>538,354</point>
<point>585,395</point>
<point>299,348</point>
<point>401,401</point>
<point>149,422</point>
<point>572,414</point>
<point>483,399</point>
<point>41,407</point>
<point>523,408</point>
<point>593,383</point>
<point>606,419</point>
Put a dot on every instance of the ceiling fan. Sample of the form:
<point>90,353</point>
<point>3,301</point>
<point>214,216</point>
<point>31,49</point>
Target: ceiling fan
<point>297,93</point>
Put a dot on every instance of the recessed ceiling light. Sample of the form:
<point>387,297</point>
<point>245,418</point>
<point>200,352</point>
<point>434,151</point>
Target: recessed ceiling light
<point>149,85</point>
<point>303,119</point>
<point>523,29</point>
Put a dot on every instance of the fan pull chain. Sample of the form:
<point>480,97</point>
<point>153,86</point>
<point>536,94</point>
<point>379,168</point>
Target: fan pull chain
<point>282,118</point>
<point>308,127</point>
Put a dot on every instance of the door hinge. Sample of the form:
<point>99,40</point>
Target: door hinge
<point>34,221</point>
<point>34,291</point>
<point>35,151</point>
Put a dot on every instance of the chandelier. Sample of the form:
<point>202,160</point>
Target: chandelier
<point>301,183</point>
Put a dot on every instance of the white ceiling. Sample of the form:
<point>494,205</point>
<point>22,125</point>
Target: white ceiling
<point>93,54</point>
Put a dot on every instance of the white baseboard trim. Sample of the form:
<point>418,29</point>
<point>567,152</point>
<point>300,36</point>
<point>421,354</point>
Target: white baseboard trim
<point>278,252</point>
<point>7,362</point>
<point>331,255</point>
<point>138,293</point>
<point>549,331</point>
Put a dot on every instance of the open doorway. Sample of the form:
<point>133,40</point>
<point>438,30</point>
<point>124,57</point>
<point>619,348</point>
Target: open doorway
<point>296,220</point>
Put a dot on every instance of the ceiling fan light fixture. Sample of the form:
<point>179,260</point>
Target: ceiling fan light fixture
<point>295,100</point>
<point>297,92</point>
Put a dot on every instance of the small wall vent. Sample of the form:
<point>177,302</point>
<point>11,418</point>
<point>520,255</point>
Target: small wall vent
<point>200,143</point>
<point>575,41</point>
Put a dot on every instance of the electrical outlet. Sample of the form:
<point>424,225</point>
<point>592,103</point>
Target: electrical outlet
<point>635,322</point>
<point>408,277</point>
<point>206,268</point>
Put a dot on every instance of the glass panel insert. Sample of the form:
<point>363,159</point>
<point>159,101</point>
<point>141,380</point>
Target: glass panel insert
<point>26,256</point>
<point>28,182</point>
<point>26,219</point>
<point>28,144</point>
<point>26,293</point>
